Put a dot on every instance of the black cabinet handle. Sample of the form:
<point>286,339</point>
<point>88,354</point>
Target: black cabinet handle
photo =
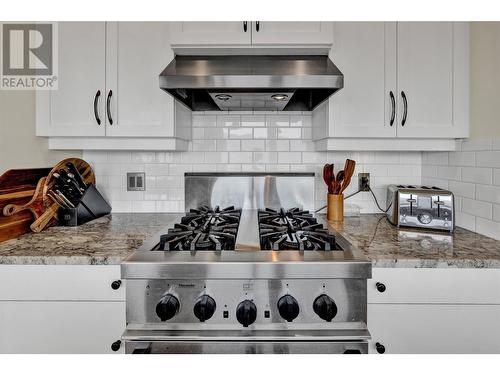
<point>116,284</point>
<point>393,103</point>
<point>405,111</point>
<point>96,100</point>
<point>245,26</point>
<point>380,287</point>
<point>116,345</point>
<point>257,26</point>
<point>352,351</point>
<point>380,348</point>
<point>108,107</point>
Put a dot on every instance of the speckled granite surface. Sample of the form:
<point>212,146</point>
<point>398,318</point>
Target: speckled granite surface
<point>388,246</point>
<point>110,239</point>
<point>107,240</point>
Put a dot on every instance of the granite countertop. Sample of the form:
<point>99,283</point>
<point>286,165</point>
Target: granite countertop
<point>387,246</point>
<point>111,239</point>
<point>107,240</point>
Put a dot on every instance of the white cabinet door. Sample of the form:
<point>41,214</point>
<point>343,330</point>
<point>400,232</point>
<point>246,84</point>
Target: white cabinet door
<point>69,110</point>
<point>78,327</point>
<point>434,329</point>
<point>210,33</point>
<point>433,79</point>
<point>137,52</point>
<point>319,33</point>
<point>365,52</point>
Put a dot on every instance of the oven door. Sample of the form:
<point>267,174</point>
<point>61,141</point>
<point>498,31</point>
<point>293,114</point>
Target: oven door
<point>247,342</point>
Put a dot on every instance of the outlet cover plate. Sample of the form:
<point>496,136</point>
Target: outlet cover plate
<point>136,181</point>
<point>361,176</point>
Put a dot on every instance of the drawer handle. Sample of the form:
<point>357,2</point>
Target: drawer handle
<point>116,345</point>
<point>116,284</point>
<point>380,287</point>
<point>380,348</point>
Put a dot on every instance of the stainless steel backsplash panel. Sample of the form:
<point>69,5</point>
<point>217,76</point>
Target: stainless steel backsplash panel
<point>250,190</point>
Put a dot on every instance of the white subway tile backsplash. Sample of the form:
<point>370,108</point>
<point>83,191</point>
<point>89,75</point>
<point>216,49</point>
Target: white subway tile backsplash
<point>253,121</point>
<point>488,193</point>
<point>387,157</point>
<point>240,157</point>
<point>477,175</point>
<point>289,157</point>
<point>261,133</point>
<point>253,168</point>
<point>462,159</point>
<point>314,157</point>
<point>203,145</point>
<point>488,159</point>
<point>253,145</point>
<point>301,145</point>
<point>496,212</point>
<point>449,173</point>
<point>300,121</point>
<point>477,208</point>
<point>216,157</point>
<point>464,189</point>
<point>241,133</point>
<point>466,221</point>
<point>436,158</point>
<point>225,121</point>
<point>204,121</point>
<point>228,145</point>
<point>488,227</point>
<point>265,157</point>
<point>277,145</point>
<point>277,120</point>
<point>289,133</point>
<point>496,176</point>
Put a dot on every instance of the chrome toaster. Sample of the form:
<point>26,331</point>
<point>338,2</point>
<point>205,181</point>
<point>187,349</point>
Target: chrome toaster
<point>420,206</point>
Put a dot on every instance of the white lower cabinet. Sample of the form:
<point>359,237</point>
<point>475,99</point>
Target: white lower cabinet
<point>434,311</point>
<point>61,309</point>
<point>86,327</point>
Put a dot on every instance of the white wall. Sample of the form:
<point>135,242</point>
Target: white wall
<point>485,79</point>
<point>243,142</point>
<point>19,148</point>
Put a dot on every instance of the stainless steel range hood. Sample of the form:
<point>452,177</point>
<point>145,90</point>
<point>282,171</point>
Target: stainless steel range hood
<point>235,83</point>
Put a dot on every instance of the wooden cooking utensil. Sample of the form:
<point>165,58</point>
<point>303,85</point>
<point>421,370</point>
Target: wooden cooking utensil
<point>339,179</point>
<point>50,215</point>
<point>349,168</point>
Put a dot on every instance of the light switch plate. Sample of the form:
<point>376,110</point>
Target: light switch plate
<point>136,181</point>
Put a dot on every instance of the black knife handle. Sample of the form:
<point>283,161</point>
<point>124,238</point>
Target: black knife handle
<point>72,168</point>
<point>245,26</point>
<point>257,26</point>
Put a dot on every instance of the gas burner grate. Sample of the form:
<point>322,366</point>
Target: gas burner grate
<point>294,229</point>
<point>203,228</point>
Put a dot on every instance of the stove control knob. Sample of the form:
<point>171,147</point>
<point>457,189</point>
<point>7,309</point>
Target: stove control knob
<point>288,307</point>
<point>325,307</point>
<point>167,307</point>
<point>204,307</point>
<point>246,313</point>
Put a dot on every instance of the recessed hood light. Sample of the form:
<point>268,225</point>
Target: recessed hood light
<point>279,97</point>
<point>223,97</point>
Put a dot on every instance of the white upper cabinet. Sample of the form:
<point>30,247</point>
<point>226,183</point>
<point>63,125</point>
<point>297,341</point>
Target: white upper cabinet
<point>246,33</point>
<point>109,92</point>
<point>365,52</point>
<point>402,81</point>
<point>276,33</point>
<point>211,33</point>
<point>432,79</point>
<point>76,108</point>
<point>136,54</point>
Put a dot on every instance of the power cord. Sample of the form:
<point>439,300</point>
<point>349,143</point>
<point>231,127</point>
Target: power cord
<point>359,191</point>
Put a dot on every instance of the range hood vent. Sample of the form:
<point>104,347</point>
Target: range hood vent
<point>239,83</point>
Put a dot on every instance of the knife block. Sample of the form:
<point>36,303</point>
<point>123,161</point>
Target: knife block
<point>91,206</point>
